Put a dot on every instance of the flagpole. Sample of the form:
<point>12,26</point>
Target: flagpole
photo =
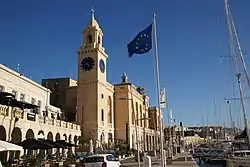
<point>158,89</point>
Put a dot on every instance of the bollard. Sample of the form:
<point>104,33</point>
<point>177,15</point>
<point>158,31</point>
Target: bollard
<point>164,158</point>
<point>146,161</point>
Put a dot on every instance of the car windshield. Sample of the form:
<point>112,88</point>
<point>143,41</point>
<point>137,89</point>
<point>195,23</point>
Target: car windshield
<point>94,159</point>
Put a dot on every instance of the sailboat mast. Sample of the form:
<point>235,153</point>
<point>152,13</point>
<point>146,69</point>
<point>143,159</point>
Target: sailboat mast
<point>230,114</point>
<point>239,47</point>
<point>238,75</point>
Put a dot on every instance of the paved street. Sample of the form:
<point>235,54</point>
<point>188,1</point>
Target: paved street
<point>131,162</point>
<point>156,163</point>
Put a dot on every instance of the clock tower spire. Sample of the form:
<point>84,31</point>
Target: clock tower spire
<point>92,34</point>
<point>93,13</point>
<point>91,55</point>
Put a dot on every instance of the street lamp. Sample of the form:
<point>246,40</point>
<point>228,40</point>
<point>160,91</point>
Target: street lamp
<point>136,132</point>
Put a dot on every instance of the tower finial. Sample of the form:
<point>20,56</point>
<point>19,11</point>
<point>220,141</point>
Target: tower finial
<point>93,12</point>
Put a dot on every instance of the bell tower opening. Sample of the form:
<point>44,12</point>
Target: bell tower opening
<point>90,39</point>
<point>99,39</point>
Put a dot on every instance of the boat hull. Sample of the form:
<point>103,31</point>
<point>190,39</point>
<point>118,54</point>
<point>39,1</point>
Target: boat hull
<point>238,162</point>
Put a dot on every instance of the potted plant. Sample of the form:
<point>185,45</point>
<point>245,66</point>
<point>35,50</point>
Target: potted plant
<point>36,161</point>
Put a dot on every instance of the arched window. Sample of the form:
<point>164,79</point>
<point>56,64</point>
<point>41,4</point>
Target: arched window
<point>90,39</point>
<point>145,121</point>
<point>102,138</point>
<point>133,117</point>
<point>109,110</point>
<point>141,119</point>
<point>99,39</point>
<point>102,115</point>
<point>137,114</point>
<point>133,141</point>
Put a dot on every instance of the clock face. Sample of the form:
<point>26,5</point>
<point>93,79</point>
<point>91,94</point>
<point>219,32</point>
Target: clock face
<point>102,65</point>
<point>87,63</point>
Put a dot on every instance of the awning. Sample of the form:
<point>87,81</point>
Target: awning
<point>9,100</point>
<point>25,105</point>
<point>64,143</point>
<point>6,146</point>
<point>33,144</point>
<point>54,144</point>
<point>6,98</point>
<point>6,95</point>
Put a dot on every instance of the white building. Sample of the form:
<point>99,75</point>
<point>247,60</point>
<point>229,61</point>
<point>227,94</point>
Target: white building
<point>17,124</point>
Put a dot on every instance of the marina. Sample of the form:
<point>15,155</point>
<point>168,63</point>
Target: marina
<point>93,122</point>
<point>234,152</point>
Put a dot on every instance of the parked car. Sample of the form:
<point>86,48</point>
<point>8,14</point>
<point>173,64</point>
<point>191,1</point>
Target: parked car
<point>101,160</point>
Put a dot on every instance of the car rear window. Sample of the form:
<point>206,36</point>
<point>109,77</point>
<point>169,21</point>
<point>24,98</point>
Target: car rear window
<point>94,159</point>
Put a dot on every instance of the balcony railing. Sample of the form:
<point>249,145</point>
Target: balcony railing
<point>5,111</point>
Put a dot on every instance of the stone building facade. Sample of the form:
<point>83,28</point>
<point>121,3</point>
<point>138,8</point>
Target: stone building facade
<point>105,111</point>
<point>18,124</point>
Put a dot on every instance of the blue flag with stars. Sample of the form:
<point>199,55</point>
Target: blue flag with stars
<point>142,43</point>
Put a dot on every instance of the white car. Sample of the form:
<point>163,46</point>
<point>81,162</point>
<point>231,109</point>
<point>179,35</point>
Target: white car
<point>101,160</point>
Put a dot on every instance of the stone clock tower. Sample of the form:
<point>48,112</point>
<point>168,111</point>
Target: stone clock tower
<point>91,80</point>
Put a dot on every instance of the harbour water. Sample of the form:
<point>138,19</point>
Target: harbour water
<point>207,165</point>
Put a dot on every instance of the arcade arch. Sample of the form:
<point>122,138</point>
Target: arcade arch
<point>16,135</point>
<point>3,135</point>
<point>70,138</point>
<point>50,136</point>
<point>75,139</point>
<point>65,137</point>
<point>58,136</point>
<point>29,134</point>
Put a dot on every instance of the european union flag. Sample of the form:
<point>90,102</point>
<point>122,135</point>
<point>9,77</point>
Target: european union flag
<point>142,43</point>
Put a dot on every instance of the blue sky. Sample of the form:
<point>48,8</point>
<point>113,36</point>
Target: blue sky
<point>43,36</point>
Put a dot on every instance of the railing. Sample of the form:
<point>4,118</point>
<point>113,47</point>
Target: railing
<point>209,152</point>
<point>22,115</point>
<point>4,110</point>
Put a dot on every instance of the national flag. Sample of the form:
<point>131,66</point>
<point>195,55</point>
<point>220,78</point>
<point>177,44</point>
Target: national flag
<point>142,43</point>
<point>163,98</point>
